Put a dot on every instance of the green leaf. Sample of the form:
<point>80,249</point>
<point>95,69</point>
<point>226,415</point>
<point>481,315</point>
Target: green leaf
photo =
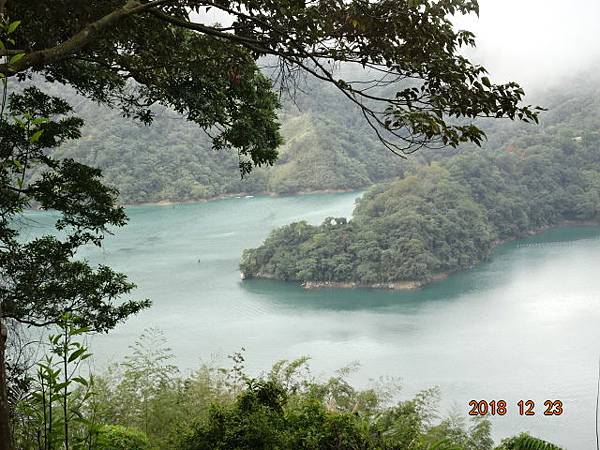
<point>81,381</point>
<point>76,354</point>
<point>486,82</point>
<point>13,26</point>
<point>16,58</point>
<point>60,386</point>
<point>36,136</point>
<point>81,330</point>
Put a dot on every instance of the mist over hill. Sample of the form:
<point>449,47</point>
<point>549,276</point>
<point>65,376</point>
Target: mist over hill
<point>327,145</point>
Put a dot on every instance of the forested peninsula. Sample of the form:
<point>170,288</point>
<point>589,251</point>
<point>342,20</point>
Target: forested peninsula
<point>448,210</point>
<point>442,217</point>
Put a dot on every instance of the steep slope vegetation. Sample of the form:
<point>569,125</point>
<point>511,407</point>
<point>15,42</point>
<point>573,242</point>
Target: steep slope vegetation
<point>441,218</point>
<point>449,214</point>
<point>327,146</point>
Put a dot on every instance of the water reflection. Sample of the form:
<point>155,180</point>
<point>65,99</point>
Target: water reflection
<point>522,324</point>
<point>486,276</point>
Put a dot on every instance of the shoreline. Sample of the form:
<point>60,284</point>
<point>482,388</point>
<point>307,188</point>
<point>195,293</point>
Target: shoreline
<point>241,195</point>
<point>392,285</point>
<point>411,285</point>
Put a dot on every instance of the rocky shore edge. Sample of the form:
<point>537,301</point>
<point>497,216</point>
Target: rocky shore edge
<point>395,285</point>
<point>406,285</point>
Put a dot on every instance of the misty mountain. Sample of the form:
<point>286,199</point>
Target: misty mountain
<point>328,145</point>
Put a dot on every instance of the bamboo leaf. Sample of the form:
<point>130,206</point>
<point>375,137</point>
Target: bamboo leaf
<point>16,58</point>
<point>13,26</point>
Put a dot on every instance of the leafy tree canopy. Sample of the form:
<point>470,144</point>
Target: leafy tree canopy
<point>135,53</point>
<point>40,278</point>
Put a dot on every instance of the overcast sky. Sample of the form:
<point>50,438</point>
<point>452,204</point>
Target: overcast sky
<point>536,42</point>
<point>533,42</point>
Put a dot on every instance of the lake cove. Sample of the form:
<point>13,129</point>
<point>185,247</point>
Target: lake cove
<point>523,325</point>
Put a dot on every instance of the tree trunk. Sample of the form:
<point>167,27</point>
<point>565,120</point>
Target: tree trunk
<point>5,440</point>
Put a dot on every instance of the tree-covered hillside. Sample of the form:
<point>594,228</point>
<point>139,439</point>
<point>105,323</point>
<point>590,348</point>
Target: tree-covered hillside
<point>447,215</point>
<point>327,145</point>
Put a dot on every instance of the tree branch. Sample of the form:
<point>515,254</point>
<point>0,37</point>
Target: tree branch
<point>3,9</point>
<point>210,31</point>
<point>79,40</point>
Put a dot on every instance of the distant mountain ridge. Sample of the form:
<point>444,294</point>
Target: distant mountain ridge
<point>328,145</point>
<point>447,215</point>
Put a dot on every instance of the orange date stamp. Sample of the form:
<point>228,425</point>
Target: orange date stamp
<point>523,408</point>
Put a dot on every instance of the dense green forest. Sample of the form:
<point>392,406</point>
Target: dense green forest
<point>327,145</point>
<point>162,60</point>
<point>447,215</point>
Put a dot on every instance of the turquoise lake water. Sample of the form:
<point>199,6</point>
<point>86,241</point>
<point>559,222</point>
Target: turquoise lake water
<point>523,325</point>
